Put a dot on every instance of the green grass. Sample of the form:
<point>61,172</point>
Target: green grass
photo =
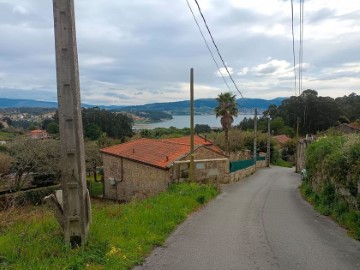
<point>283,163</point>
<point>95,188</point>
<point>120,235</point>
<point>5,136</point>
<point>329,204</point>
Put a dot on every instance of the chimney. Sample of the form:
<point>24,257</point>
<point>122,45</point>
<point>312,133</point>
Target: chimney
<point>205,138</point>
<point>167,158</point>
<point>133,150</point>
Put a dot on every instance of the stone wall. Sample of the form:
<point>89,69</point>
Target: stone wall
<point>300,153</point>
<point>213,171</point>
<point>125,179</point>
<point>240,174</point>
<point>261,164</point>
<point>240,155</point>
<point>210,166</point>
<point>203,152</point>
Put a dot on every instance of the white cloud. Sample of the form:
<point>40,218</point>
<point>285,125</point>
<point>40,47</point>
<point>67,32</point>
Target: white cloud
<point>20,9</point>
<point>243,71</point>
<point>96,61</point>
<point>223,72</point>
<point>140,52</point>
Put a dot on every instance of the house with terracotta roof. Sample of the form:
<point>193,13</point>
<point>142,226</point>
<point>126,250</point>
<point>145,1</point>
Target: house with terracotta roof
<point>348,128</point>
<point>38,134</point>
<point>144,167</point>
<point>281,139</point>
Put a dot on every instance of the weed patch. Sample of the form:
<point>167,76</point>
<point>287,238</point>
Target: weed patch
<point>121,235</point>
<point>328,203</point>
<point>282,163</point>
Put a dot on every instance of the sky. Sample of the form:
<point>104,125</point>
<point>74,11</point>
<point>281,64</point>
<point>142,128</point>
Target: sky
<point>138,52</point>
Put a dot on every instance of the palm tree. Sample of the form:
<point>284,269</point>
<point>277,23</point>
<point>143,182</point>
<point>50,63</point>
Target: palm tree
<point>227,109</point>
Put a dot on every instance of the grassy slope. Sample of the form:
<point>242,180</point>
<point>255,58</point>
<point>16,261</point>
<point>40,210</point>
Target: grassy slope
<point>329,204</point>
<point>5,136</point>
<point>121,235</point>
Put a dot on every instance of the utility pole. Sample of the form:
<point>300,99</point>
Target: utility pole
<point>76,202</point>
<point>268,143</point>
<point>297,128</point>
<point>297,142</point>
<point>192,125</point>
<point>255,137</point>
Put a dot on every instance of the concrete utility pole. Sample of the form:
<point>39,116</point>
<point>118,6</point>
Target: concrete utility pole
<point>255,136</point>
<point>76,202</point>
<point>192,124</point>
<point>268,143</point>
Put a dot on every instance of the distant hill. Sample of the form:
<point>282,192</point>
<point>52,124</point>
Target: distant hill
<point>19,103</point>
<point>202,106</point>
<point>29,103</point>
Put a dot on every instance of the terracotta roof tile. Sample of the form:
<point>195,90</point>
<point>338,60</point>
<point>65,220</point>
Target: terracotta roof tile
<point>198,140</point>
<point>158,153</point>
<point>281,138</point>
<point>353,126</point>
<point>37,131</point>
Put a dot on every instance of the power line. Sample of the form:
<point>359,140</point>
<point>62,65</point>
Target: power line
<point>207,45</point>
<point>301,47</point>
<point>218,52</point>
<point>293,39</point>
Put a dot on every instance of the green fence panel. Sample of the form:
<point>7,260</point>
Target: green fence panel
<point>241,164</point>
<point>260,158</point>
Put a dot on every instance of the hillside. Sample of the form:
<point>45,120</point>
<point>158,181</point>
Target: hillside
<point>202,106</point>
<point>30,103</point>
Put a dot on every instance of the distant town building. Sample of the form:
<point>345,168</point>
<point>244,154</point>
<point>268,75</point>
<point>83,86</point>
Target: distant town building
<point>348,128</point>
<point>281,139</point>
<point>38,134</point>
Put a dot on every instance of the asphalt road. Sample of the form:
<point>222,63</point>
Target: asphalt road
<point>258,223</point>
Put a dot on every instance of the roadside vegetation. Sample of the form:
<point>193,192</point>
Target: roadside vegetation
<point>333,179</point>
<point>121,235</point>
<point>328,203</point>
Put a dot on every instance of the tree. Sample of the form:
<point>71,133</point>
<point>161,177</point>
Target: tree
<point>32,127</point>
<point>8,121</point>
<point>92,131</point>
<point>5,164</point>
<point>226,109</point>
<point>115,125</point>
<point>92,158</point>
<point>52,128</point>
<point>199,128</point>
<point>33,156</point>
<point>309,112</point>
<point>105,141</point>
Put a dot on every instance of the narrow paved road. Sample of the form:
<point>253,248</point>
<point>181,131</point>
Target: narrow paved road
<point>258,223</point>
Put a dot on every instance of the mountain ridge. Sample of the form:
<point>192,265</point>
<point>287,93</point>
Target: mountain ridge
<point>202,106</point>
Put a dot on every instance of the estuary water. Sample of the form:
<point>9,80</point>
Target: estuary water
<point>182,121</point>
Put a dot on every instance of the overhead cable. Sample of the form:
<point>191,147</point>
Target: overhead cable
<point>301,48</point>
<point>218,52</point>
<point>293,41</point>
<point>207,45</point>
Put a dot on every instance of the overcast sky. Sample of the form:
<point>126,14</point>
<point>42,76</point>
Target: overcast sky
<point>137,52</point>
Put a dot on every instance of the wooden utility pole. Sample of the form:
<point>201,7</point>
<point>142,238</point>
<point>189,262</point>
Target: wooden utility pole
<point>192,124</point>
<point>76,202</point>
<point>255,136</point>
